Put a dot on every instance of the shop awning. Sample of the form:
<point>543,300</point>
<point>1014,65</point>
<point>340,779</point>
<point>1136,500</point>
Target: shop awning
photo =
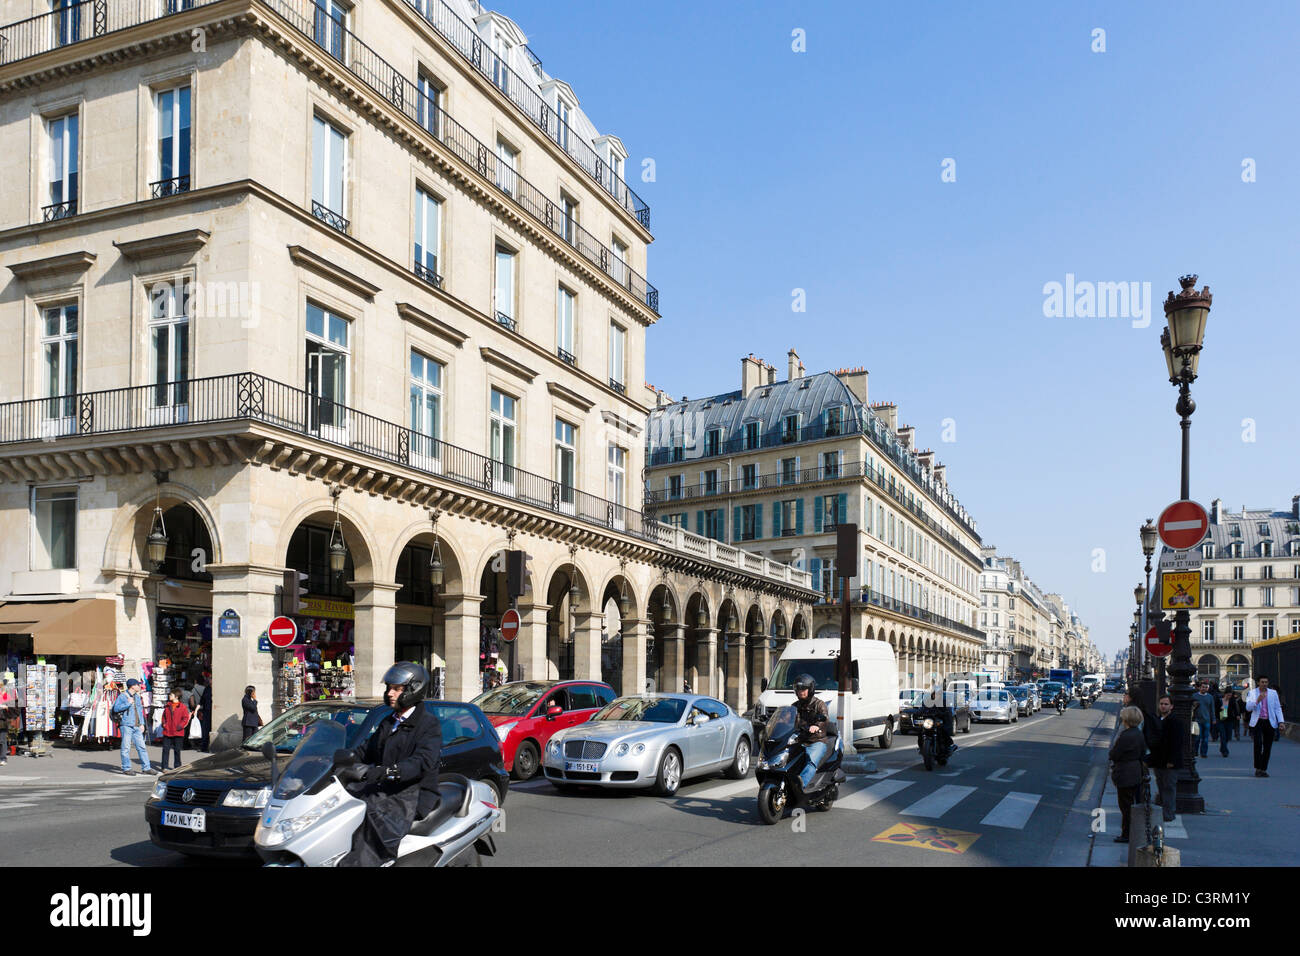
<point>85,627</point>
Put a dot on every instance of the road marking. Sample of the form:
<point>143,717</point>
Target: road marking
<point>100,796</point>
<point>939,802</point>
<point>870,796</point>
<point>927,837</point>
<point>1013,811</point>
<point>15,806</point>
<point>728,789</point>
<point>998,775</point>
<point>1071,781</point>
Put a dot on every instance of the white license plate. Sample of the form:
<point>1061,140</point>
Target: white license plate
<point>196,821</point>
<point>581,767</point>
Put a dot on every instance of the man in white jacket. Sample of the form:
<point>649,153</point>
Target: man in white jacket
<point>1265,711</point>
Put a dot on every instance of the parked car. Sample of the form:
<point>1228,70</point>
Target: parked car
<point>525,716</point>
<point>1024,700</point>
<point>995,705</point>
<point>210,807</point>
<point>651,740</point>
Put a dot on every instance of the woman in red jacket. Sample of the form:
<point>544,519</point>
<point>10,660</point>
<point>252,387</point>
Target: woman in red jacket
<point>175,718</point>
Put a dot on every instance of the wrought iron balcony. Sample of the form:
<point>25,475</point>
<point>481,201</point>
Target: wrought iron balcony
<point>59,210</point>
<point>509,323</point>
<point>427,274</point>
<point>568,358</point>
<point>249,397</point>
<point>329,217</point>
<point>170,187</point>
<point>618,387</point>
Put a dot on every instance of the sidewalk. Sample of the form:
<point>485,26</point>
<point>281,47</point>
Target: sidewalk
<point>69,766</point>
<point>1248,821</point>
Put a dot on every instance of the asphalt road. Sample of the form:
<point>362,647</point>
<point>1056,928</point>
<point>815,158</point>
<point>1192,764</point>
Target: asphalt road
<point>1003,800</point>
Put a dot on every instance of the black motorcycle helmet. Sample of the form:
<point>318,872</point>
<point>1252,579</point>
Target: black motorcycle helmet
<point>805,682</point>
<point>414,677</point>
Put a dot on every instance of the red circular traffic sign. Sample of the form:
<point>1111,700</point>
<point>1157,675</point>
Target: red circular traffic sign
<point>282,632</point>
<point>509,625</point>
<point>1182,525</point>
<point>1154,647</point>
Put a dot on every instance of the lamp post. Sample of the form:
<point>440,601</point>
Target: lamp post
<point>1186,314</point>
<point>1149,536</point>
<point>1140,596</point>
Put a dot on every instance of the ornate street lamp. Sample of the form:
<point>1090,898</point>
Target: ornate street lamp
<point>436,569</point>
<point>1149,536</point>
<point>1186,314</point>
<point>574,597</point>
<point>156,546</point>
<point>338,551</point>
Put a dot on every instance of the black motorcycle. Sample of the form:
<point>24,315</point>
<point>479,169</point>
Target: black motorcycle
<point>784,756</point>
<point>1060,703</point>
<point>928,722</point>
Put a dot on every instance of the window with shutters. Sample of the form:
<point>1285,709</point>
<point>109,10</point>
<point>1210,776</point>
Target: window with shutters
<point>675,485</point>
<point>789,518</point>
<point>789,470</point>
<point>831,464</point>
<point>713,442</point>
<point>711,482</point>
<point>749,476</point>
<point>790,428</point>
<point>748,522</point>
<point>715,524</point>
<point>835,420</point>
<point>751,435</point>
<point>831,512</point>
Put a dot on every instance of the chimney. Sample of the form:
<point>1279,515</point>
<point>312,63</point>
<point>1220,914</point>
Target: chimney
<point>856,380</point>
<point>771,374</point>
<point>1214,510</point>
<point>887,412</point>
<point>1295,507</point>
<point>751,374</point>
<point>793,365</point>
<point>905,435</point>
<point>926,458</point>
<point>941,475</point>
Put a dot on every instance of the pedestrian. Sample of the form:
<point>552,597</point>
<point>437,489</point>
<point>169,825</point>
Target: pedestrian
<point>1167,756</point>
<point>8,712</point>
<point>175,720</point>
<point>1265,718</point>
<point>190,697</point>
<point>1127,771</point>
<point>1247,686</point>
<point>205,713</point>
<point>251,719</point>
<point>131,710</point>
<point>1203,714</point>
<point>1229,717</point>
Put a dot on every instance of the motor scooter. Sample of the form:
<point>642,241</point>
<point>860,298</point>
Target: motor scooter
<point>312,816</point>
<point>928,721</point>
<point>784,756</point>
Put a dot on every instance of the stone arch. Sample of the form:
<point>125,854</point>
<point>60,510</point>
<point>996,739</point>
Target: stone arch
<point>124,545</point>
<point>364,559</point>
<point>453,555</point>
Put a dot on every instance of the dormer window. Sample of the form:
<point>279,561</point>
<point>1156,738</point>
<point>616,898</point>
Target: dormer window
<point>1235,531</point>
<point>1263,529</point>
<point>790,428</point>
<point>751,435</point>
<point>835,420</point>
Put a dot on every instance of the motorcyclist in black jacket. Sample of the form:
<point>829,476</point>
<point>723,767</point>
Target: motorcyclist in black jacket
<point>935,706</point>
<point>395,771</point>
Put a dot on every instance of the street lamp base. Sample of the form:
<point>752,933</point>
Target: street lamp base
<point>1188,799</point>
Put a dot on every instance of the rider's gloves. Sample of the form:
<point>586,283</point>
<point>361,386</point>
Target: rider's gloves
<point>393,774</point>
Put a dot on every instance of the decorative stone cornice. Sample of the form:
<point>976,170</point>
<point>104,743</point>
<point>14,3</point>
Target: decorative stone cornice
<point>429,323</point>
<point>68,264</point>
<point>570,396</point>
<point>621,423</point>
<point>184,243</point>
<point>503,361</point>
<point>328,270</point>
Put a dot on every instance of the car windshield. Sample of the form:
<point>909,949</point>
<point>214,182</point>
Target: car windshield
<point>312,761</point>
<point>511,700</point>
<point>1053,687</point>
<point>1020,693</point>
<point>655,710</point>
<point>287,730</point>
<point>788,670</point>
<point>910,698</point>
<point>985,696</point>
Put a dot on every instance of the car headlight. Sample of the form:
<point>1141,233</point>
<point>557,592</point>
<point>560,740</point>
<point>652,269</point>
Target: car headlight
<point>927,723</point>
<point>638,750</point>
<point>622,749</point>
<point>247,798</point>
<point>553,748</point>
<point>159,789</point>
<point>503,730</point>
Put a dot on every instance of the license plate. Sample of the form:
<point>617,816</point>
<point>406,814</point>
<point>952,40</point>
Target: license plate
<point>196,821</point>
<point>571,766</point>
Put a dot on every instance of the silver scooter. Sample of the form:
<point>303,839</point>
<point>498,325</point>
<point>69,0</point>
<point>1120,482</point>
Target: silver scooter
<point>311,816</point>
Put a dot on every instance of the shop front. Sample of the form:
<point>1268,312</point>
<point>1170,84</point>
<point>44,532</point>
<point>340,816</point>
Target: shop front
<point>319,665</point>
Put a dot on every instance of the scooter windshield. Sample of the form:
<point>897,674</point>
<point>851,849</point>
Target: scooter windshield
<point>781,724</point>
<point>313,759</point>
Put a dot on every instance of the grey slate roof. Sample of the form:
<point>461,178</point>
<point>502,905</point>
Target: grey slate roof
<point>1277,523</point>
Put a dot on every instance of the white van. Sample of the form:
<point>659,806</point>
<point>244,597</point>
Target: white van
<point>875,701</point>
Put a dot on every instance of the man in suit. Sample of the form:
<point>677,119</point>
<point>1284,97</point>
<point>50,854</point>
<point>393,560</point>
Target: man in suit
<point>1166,758</point>
<point>399,779</point>
<point>1265,709</point>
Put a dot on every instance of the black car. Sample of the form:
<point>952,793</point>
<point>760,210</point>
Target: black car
<point>210,807</point>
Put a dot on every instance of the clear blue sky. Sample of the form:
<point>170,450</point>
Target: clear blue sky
<point>821,170</point>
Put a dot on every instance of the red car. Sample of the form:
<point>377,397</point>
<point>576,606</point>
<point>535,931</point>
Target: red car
<point>526,713</point>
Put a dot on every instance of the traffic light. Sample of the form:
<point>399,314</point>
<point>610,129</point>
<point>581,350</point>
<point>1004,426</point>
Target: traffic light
<point>293,591</point>
<point>515,573</point>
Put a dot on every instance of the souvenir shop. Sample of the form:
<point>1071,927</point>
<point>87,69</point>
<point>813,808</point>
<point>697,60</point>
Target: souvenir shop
<point>319,665</point>
<point>53,659</point>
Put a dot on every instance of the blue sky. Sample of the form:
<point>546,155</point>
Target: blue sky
<point>821,171</point>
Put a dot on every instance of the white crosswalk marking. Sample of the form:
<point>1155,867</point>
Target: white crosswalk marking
<point>729,789</point>
<point>870,796</point>
<point>939,802</point>
<point>102,796</point>
<point>1013,810</point>
<point>15,806</point>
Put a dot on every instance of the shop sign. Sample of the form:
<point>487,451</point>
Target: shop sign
<point>228,623</point>
<point>323,607</point>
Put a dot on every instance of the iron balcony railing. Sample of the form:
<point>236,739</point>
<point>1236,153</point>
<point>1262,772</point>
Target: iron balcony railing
<point>428,275</point>
<point>507,322</point>
<point>170,187</point>
<point>568,358</point>
<point>329,217</point>
<point>59,210</point>
<point>480,56</point>
<point>72,24</point>
<point>247,396</point>
<point>869,596</point>
<point>618,386</point>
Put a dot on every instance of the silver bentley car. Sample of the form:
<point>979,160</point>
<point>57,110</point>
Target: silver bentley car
<point>655,740</point>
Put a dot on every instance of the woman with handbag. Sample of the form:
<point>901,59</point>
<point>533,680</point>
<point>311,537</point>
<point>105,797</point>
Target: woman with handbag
<point>1127,770</point>
<point>8,711</point>
<point>176,717</point>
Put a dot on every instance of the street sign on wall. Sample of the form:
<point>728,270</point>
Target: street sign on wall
<point>1180,590</point>
<point>1182,525</point>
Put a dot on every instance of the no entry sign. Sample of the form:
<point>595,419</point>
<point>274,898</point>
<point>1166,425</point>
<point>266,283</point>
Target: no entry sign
<point>510,625</point>
<point>1155,647</point>
<point>1182,525</point>
<point>282,632</point>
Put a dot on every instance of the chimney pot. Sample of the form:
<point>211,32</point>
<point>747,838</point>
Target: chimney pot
<point>1295,506</point>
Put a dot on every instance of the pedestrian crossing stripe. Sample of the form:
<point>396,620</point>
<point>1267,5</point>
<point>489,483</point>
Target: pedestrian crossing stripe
<point>927,837</point>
